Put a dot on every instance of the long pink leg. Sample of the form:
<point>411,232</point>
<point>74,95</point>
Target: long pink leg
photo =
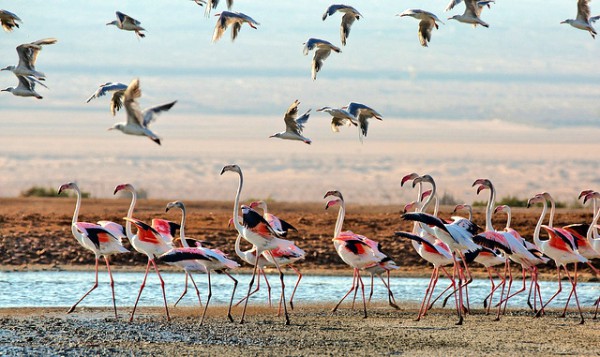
<point>539,313</point>
<point>296,286</point>
<point>506,268</point>
<point>523,287</point>
<point>250,286</point>
<point>268,286</point>
<point>208,297</point>
<point>235,283</point>
<point>391,299</point>
<point>570,295</point>
<point>434,274</point>
<point>459,299</point>
<point>362,286</point>
<point>285,312</point>
<point>162,285</point>
<point>140,292</point>
<point>451,285</point>
<point>184,290</point>
<point>371,292</point>
<point>510,282</point>
<point>355,293</point>
<point>255,290</point>
<point>86,294</point>
<point>195,287</point>
<point>112,285</point>
<point>493,288</point>
<point>574,288</point>
<point>348,293</point>
<point>467,277</point>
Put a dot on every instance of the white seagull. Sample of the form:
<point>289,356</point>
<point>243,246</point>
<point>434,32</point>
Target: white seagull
<point>350,14</point>
<point>138,120</point>
<point>26,87</point>
<point>340,116</point>
<point>583,20</point>
<point>428,21</point>
<point>116,101</point>
<point>212,4</point>
<point>234,19</point>
<point>323,50</point>
<point>28,53</point>
<point>362,113</point>
<point>472,12</point>
<point>294,125</point>
<point>8,20</point>
<point>128,23</point>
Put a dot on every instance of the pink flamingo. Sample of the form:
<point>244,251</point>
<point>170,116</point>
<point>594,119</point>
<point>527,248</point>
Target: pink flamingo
<point>533,249</point>
<point>559,248</point>
<point>249,256</point>
<point>287,256</point>
<point>592,233</point>
<point>457,235</point>
<point>102,241</point>
<point>357,251</point>
<point>256,230</point>
<point>211,259</point>
<point>507,243</point>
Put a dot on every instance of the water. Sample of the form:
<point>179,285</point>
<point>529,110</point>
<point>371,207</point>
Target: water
<point>62,289</point>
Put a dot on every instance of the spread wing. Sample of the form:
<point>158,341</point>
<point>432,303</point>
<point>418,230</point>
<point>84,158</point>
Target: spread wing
<point>134,113</point>
<point>106,88</point>
<point>150,114</point>
<point>347,21</point>
<point>116,102</point>
<point>583,10</point>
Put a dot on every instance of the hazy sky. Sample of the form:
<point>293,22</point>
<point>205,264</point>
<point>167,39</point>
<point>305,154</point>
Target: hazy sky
<point>472,86</point>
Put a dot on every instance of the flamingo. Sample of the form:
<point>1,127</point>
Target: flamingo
<point>256,230</point>
<point>558,248</point>
<point>533,249</point>
<point>507,243</point>
<point>357,251</point>
<point>457,235</point>
<point>592,232</point>
<point>279,225</point>
<point>128,23</point>
<point>211,259</point>
<point>100,240</point>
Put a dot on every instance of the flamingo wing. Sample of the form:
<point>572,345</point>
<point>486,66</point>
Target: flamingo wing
<point>493,240</point>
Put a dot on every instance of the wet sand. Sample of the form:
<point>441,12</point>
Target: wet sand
<point>314,330</point>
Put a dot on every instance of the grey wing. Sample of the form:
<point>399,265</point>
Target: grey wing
<point>309,45</point>
<point>220,27</point>
<point>26,82</point>
<point>235,29</point>
<point>27,55</point>
<point>336,122</point>
<point>300,122</point>
<point>594,19</point>
<point>229,4</point>
<point>452,4</point>
<point>347,21</point>
<point>120,17</point>
<point>134,112</point>
<point>583,10</point>
<point>331,10</point>
<point>34,80</point>
<point>353,108</point>
<point>105,88</point>
<point>8,20</point>
<point>45,41</point>
<point>364,126</point>
<point>126,18</point>
<point>150,114</point>
<point>321,54</point>
<point>116,102</point>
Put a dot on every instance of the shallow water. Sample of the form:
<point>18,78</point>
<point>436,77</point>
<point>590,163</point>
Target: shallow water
<point>50,289</point>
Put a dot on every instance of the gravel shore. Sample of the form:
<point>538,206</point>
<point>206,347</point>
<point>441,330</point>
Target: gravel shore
<point>314,331</point>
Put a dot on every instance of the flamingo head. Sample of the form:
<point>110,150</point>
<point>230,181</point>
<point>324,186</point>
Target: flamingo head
<point>501,208</point>
<point>424,178</point>
<point>483,182</point>
<point>584,193</point>
<point>233,167</point>
<point>481,188</point>
<point>173,204</point>
<point>591,195</point>
<point>426,194</point>
<point>458,207</point>
<point>259,204</point>
<point>408,177</point>
<point>410,206</point>
<point>124,186</point>
<point>539,198</point>
<point>67,186</point>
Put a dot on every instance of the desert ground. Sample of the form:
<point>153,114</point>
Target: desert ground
<point>35,234</point>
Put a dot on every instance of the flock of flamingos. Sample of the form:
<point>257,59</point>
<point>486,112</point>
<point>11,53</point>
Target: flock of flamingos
<point>457,242</point>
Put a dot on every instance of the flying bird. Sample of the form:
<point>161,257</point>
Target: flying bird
<point>234,19</point>
<point>118,90</point>
<point>363,113</point>
<point>128,23</point>
<point>427,23</point>
<point>293,124</point>
<point>472,12</point>
<point>212,4</point>
<point>28,53</point>
<point>26,87</point>
<point>583,20</point>
<point>350,14</point>
<point>339,118</point>
<point>323,50</point>
<point>137,120</point>
<point>8,20</point>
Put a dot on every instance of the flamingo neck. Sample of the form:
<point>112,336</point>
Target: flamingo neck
<point>538,227</point>
<point>436,207</point>
<point>470,210</point>
<point>264,207</point>
<point>430,197</point>
<point>591,233</point>
<point>182,229</point>
<point>415,223</point>
<point>128,230</point>
<point>238,250</point>
<point>552,211</point>
<point>508,217</point>
<point>340,220</point>
<point>77,205</point>
<point>490,209</point>
<point>236,205</point>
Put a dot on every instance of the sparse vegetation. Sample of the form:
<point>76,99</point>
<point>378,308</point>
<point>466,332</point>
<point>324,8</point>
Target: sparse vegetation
<point>39,191</point>
<point>514,201</point>
<point>448,199</point>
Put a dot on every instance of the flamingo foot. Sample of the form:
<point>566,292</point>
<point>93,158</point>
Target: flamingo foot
<point>460,321</point>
